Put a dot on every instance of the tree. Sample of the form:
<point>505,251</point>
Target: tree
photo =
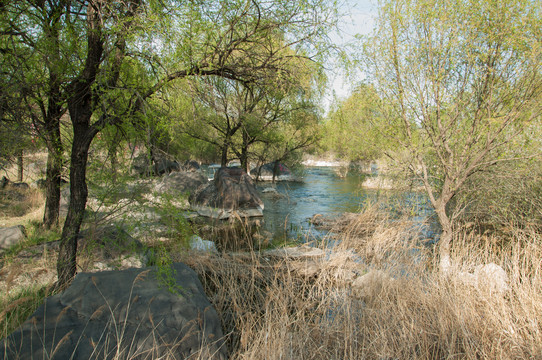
<point>36,42</point>
<point>230,39</point>
<point>460,79</point>
<point>355,129</point>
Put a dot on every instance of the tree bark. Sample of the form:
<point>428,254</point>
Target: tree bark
<point>80,106</point>
<point>20,170</point>
<point>224,157</point>
<point>67,257</point>
<point>445,240</point>
<point>54,171</point>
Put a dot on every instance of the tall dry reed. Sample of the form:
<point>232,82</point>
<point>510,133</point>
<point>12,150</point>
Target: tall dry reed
<point>408,311</point>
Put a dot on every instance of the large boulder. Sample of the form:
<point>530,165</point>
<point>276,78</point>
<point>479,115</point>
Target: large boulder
<point>181,182</point>
<point>108,242</point>
<point>191,165</point>
<point>232,190</point>
<point>165,166</point>
<point>6,183</point>
<point>141,165</point>
<point>265,173</point>
<point>122,315</point>
<point>11,236</point>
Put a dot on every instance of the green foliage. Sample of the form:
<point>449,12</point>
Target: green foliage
<point>459,80</point>
<point>16,308</point>
<point>356,129</point>
<point>160,258</point>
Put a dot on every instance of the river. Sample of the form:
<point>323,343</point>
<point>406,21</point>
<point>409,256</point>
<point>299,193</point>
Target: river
<point>322,191</point>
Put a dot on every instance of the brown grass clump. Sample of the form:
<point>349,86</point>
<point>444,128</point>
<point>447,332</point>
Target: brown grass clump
<point>394,304</point>
<point>15,202</point>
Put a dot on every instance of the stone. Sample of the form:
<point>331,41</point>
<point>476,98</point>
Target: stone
<point>191,165</point>
<point>107,243</point>
<point>165,166</point>
<point>492,277</point>
<point>489,277</point>
<point>297,252</point>
<point>197,243</point>
<point>11,236</point>
<point>371,284</point>
<point>124,314</point>
<point>231,193</point>
<point>142,166</point>
<point>6,183</point>
<point>177,183</point>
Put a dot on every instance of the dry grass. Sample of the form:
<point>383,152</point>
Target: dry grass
<point>289,308</point>
<point>19,203</point>
<point>272,310</point>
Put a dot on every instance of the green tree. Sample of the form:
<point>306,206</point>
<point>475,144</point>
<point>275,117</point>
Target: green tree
<point>230,39</point>
<point>355,129</point>
<point>459,79</point>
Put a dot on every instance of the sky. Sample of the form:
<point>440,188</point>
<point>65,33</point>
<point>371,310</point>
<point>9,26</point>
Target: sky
<point>358,19</point>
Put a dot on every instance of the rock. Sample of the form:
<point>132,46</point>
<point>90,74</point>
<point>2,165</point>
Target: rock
<point>107,243</point>
<point>231,192</point>
<point>378,182</point>
<point>165,166</point>
<point>141,165</point>
<point>11,236</point>
<point>370,284</point>
<point>191,165</point>
<point>38,184</point>
<point>6,183</point>
<point>177,183</point>
<point>122,314</point>
<point>491,277</point>
<point>265,173</point>
<point>297,252</point>
<point>197,243</point>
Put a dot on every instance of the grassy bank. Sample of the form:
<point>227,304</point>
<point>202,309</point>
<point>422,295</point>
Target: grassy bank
<point>407,310</point>
<point>274,307</point>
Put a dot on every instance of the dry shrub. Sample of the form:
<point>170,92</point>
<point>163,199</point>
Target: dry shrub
<point>16,202</point>
<point>270,310</point>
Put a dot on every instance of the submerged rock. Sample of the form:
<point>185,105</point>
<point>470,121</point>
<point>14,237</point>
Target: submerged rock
<point>122,314</point>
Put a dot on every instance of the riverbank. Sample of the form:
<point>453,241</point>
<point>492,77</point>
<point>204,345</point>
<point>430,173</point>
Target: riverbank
<point>377,294</point>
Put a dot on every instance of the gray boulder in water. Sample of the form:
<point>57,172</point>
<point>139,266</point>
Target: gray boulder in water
<point>122,315</point>
<point>232,190</point>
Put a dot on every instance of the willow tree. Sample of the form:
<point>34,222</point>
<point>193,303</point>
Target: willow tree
<point>172,40</point>
<point>459,78</point>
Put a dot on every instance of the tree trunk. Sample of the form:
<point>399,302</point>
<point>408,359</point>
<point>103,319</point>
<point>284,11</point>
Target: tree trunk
<point>52,190</point>
<point>67,257</point>
<point>445,241</point>
<point>244,153</point>
<point>275,169</point>
<point>54,171</point>
<point>20,165</point>
<point>224,158</point>
<point>244,159</point>
<point>112,152</point>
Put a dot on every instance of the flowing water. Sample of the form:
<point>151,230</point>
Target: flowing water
<point>322,191</point>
